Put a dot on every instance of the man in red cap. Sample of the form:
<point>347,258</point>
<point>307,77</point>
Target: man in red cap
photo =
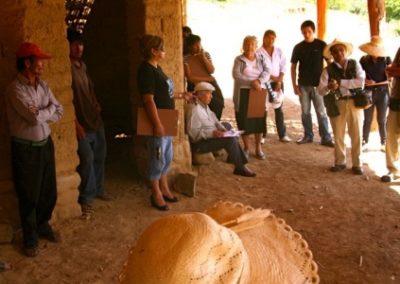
<point>30,106</point>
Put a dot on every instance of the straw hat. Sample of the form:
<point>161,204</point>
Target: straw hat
<point>327,49</point>
<point>277,254</point>
<point>186,248</point>
<point>236,244</point>
<point>278,102</point>
<point>375,47</point>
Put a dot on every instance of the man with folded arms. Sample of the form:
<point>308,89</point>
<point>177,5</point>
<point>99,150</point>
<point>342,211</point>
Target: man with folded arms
<point>207,134</point>
<point>30,106</point>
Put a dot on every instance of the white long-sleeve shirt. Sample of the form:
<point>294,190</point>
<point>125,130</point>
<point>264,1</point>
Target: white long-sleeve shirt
<point>20,96</point>
<point>276,62</point>
<point>345,84</point>
<point>201,122</point>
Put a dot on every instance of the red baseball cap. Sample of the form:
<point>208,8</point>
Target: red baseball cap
<point>28,49</point>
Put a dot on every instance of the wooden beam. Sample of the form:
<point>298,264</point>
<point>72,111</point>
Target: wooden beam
<point>322,9</point>
<point>376,12</point>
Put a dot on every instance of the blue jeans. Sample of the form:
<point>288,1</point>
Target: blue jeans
<point>308,94</point>
<point>92,153</point>
<point>381,101</point>
<point>160,153</point>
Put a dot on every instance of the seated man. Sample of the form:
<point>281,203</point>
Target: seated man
<point>207,133</point>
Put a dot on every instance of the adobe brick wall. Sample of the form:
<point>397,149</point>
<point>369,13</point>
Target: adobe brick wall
<point>163,18</point>
<point>41,22</point>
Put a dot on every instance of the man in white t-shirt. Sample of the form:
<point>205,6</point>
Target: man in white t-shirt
<point>276,62</point>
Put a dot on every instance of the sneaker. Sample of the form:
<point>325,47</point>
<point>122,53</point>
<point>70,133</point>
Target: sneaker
<point>328,143</point>
<point>357,171</point>
<point>304,140</point>
<point>260,155</point>
<point>245,172</point>
<point>246,153</point>
<point>337,168</point>
<point>285,139</point>
<point>387,178</point>
<point>383,147</point>
<point>262,141</point>
<point>86,208</point>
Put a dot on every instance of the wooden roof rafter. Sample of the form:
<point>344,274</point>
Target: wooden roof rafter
<point>78,12</point>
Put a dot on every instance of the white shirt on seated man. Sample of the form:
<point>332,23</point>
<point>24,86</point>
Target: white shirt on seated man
<point>206,132</point>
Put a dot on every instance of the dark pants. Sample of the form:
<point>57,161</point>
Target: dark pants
<point>36,188</point>
<point>381,101</point>
<point>280,123</point>
<point>230,144</point>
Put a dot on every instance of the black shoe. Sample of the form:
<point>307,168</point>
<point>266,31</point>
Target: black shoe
<point>159,207</point>
<point>387,178</point>
<point>172,200</point>
<point>304,140</point>
<point>328,143</point>
<point>245,172</point>
<point>337,168</point>
<point>52,236</point>
<point>31,251</point>
<point>357,171</point>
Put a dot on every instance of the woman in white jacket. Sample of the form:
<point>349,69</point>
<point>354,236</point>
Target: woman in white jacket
<point>249,72</point>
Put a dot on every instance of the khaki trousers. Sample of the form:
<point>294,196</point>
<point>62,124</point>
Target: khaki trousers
<point>392,142</point>
<point>353,118</point>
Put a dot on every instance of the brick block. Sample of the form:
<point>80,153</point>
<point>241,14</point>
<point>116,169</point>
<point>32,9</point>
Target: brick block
<point>185,183</point>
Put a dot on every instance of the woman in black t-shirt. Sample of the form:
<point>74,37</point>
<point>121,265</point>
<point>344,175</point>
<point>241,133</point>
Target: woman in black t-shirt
<point>156,90</point>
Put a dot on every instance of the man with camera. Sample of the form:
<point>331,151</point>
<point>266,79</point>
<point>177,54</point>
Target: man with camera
<point>338,81</point>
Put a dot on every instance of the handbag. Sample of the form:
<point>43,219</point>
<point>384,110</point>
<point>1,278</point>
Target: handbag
<point>332,109</point>
<point>362,98</point>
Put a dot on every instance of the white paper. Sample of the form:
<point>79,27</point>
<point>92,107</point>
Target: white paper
<point>233,133</point>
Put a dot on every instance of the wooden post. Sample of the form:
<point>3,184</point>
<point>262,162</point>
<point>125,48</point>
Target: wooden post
<point>322,9</point>
<point>376,12</point>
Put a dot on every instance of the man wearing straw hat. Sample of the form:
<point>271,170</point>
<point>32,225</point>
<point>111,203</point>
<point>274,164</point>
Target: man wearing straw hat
<point>207,134</point>
<point>374,64</point>
<point>393,123</point>
<point>341,77</point>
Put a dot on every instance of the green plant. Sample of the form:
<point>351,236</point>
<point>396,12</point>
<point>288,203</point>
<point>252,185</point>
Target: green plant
<point>339,4</point>
<point>392,9</point>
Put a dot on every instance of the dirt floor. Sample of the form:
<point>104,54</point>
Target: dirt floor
<point>351,223</point>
